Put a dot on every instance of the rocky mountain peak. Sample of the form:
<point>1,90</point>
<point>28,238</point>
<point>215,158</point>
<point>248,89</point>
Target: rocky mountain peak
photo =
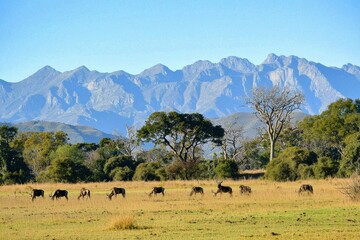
<point>352,69</point>
<point>237,64</point>
<point>158,69</point>
<point>270,59</point>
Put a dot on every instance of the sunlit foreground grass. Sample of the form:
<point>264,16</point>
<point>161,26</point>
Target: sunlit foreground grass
<point>273,211</point>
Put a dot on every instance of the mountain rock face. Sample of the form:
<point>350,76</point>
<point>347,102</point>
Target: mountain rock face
<point>110,101</point>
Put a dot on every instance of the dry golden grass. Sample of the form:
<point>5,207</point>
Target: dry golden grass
<point>122,222</point>
<point>273,210</point>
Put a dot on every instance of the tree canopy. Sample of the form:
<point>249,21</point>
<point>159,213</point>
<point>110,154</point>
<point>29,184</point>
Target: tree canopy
<point>183,134</point>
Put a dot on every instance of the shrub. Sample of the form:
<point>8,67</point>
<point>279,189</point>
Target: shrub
<point>147,171</point>
<point>325,167</point>
<point>350,162</point>
<point>176,170</point>
<point>121,174</point>
<point>281,170</point>
<point>305,171</point>
<point>293,163</point>
<point>227,169</point>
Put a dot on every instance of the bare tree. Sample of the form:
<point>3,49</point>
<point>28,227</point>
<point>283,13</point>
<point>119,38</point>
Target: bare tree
<point>273,108</point>
<point>232,141</point>
<point>127,145</point>
<point>131,143</point>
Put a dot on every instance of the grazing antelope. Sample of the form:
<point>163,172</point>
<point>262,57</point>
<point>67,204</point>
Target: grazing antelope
<point>115,191</point>
<point>59,193</point>
<point>306,188</point>
<point>223,189</point>
<point>37,193</point>
<point>245,189</point>
<point>157,190</point>
<point>197,190</point>
<point>83,193</point>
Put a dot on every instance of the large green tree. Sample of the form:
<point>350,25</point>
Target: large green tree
<point>351,158</point>
<point>12,166</point>
<point>183,134</point>
<point>326,133</point>
<point>67,166</point>
<point>37,147</point>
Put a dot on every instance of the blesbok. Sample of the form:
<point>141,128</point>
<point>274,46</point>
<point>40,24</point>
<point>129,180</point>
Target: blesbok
<point>84,193</point>
<point>59,194</point>
<point>37,193</point>
<point>223,189</point>
<point>115,191</point>
<point>306,188</point>
<point>196,190</point>
<point>157,190</point>
<point>245,189</point>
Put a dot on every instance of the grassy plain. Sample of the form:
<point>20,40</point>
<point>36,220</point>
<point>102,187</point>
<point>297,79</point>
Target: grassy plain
<point>272,211</point>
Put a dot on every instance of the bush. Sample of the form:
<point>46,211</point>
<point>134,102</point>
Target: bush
<point>176,170</point>
<point>350,162</point>
<point>292,164</point>
<point>305,171</point>
<point>66,170</point>
<point>121,174</point>
<point>281,170</point>
<point>148,171</point>
<point>227,169</point>
<point>325,167</point>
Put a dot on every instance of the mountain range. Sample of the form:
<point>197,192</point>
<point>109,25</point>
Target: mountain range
<point>111,101</point>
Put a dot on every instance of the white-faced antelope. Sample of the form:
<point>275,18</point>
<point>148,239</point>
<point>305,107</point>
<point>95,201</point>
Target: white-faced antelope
<point>84,193</point>
<point>306,188</point>
<point>59,194</point>
<point>196,190</point>
<point>223,189</point>
<point>115,191</point>
<point>157,190</point>
<point>245,189</point>
<point>37,193</point>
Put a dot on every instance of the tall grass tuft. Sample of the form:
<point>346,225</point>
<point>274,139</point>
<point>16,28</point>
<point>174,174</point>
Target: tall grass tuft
<point>352,189</point>
<point>122,223</point>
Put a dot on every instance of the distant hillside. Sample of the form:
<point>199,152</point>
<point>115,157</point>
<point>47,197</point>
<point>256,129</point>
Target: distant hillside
<point>76,134</point>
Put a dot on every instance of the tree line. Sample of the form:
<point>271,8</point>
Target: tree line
<point>320,146</point>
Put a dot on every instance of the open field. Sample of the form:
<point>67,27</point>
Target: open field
<point>273,211</point>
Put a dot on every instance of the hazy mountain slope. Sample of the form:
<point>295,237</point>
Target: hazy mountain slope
<point>76,134</point>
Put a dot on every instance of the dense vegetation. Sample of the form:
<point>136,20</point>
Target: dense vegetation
<point>321,146</point>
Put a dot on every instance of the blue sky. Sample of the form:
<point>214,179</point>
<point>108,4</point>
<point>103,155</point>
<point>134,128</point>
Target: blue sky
<point>132,35</point>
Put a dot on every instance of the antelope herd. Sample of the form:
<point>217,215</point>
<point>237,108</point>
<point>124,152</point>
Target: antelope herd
<point>85,193</point>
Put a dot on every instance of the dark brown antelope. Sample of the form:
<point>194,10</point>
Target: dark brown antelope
<point>84,193</point>
<point>157,190</point>
<point>37,193</point>
<point>306,188</point>
<point>196,190</point>
<point>115,191</point>
<point>245,189</point>
<point>59,194</point>
<point>223,189</point>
